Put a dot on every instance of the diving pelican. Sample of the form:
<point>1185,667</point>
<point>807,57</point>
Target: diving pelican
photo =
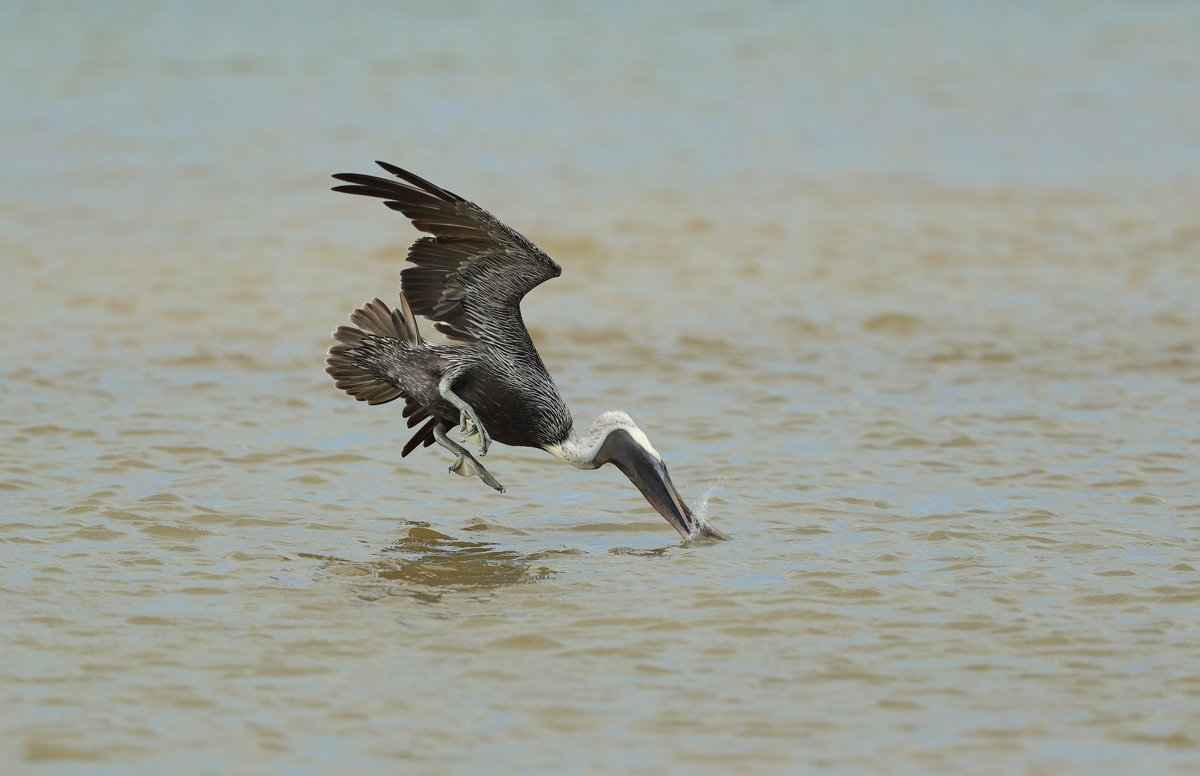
<point>469,279</point>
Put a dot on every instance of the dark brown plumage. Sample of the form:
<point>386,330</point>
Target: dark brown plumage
<point>470,278</point>
<point>473,270</point>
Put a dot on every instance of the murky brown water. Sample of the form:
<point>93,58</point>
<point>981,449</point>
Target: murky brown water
<point>908,300</point>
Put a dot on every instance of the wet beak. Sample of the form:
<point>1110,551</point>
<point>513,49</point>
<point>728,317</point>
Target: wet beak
<point>651,477</point>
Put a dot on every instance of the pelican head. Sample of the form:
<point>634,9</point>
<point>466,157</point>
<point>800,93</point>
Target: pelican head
<point>616,439</point>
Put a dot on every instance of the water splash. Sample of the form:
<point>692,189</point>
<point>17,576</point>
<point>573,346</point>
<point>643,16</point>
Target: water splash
<point>714,486</point>
<point>705,529</point>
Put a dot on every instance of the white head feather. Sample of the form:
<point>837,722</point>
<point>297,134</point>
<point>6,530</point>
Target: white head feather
<point>581,452</point>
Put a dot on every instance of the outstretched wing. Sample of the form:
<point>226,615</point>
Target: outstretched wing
<point>474,271</point>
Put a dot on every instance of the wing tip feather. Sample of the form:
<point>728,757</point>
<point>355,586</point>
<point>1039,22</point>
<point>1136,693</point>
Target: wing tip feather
<point>419,182</point>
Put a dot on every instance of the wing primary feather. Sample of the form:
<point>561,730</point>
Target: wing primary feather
<point>417,180</point>
<point>472,273</point>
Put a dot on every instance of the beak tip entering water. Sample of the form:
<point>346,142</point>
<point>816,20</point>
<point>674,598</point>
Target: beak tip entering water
<point>651,477</point>
<point>645,469</point>
<point>705,533</point>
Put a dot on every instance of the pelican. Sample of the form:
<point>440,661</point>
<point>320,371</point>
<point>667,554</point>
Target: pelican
<point>469,279</point>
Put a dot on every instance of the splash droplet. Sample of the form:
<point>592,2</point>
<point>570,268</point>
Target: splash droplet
<point>703,527</point>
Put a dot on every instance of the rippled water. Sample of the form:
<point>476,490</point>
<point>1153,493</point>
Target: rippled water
<point>906,296</point>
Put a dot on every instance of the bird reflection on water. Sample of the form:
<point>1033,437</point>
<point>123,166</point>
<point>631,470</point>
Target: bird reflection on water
<point>425,563</point>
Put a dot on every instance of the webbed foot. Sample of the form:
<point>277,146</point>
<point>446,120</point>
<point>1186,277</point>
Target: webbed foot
<point>474,433</point>
<point>465,466</point>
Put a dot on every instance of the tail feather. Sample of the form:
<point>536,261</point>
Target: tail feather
<point>377,318</point>
<point>348,371</point>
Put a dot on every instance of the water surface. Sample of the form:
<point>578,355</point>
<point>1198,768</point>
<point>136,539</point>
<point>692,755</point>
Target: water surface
<point>906,292</point>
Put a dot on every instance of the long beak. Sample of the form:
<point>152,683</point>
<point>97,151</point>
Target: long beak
<point>651,477</point>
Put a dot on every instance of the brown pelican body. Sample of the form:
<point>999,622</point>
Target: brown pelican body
<point>469,279</point>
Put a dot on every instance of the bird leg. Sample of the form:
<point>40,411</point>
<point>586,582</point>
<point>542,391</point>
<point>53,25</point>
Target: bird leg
<point>472,429</point>
<point>465,466</point>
